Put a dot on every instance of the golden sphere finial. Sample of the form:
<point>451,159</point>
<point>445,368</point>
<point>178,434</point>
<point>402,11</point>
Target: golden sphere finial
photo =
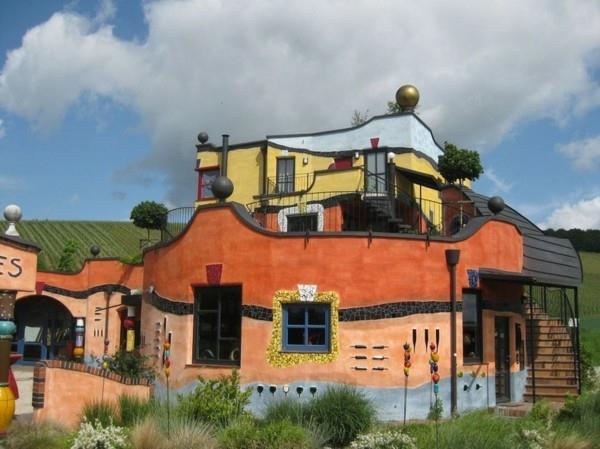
<point>407,97</point>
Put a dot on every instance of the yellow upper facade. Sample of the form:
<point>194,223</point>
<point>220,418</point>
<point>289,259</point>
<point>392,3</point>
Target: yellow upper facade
<point>391,156</point>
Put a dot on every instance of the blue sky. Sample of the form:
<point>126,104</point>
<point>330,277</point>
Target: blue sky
<point>100,101</point>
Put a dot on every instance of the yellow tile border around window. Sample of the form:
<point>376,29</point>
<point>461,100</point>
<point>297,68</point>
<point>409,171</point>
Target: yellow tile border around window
<point>276,357</point>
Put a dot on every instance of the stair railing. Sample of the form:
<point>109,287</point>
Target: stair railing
<point>556,304</point>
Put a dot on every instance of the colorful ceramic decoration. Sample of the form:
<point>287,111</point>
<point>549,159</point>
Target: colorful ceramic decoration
<point>167,357</point>
<point>213,273</point>
<point>434,358</point>
<point>280,359</point>
<point>407,359</point>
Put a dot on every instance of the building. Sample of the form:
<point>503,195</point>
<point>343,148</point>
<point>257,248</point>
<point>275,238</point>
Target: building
<point>333,251</point>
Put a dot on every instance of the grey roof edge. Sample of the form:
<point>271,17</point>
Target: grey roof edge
<point>536,234</point>
<point>350,128</point>
<point>20,243</point>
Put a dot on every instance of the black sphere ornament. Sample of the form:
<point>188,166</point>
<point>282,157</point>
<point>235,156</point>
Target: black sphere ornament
<point>496,204</point>
<point>203,138</point>
<point>94,250</point>
<point>222,187</point>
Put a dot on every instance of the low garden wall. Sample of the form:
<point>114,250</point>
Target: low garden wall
<point>61,389</point>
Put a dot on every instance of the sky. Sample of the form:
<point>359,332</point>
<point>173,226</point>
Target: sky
<point>101,101</point>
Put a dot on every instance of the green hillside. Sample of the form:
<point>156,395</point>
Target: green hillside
<point>115,238</point>
<point>589,293</point>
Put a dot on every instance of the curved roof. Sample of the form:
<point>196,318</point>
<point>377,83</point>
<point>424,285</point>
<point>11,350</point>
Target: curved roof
<point>404,130</point>
<point>547,260</point>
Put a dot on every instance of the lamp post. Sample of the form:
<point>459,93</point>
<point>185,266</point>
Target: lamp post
<point>452,257</point>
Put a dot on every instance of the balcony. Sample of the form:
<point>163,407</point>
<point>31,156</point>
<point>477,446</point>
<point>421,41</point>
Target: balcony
<point>346,211</point>
<point>317,181</point>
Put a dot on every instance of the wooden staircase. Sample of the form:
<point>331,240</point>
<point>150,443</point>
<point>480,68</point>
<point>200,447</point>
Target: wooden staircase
<point>554,359</point>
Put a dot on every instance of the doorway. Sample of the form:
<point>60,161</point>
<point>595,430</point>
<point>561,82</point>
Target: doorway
<point>502,360</point>
<point>44,329</point>
<point>375,176</point>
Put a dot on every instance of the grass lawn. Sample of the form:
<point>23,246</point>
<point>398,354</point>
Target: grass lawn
<point>589,301</point>
<point>589,294</point>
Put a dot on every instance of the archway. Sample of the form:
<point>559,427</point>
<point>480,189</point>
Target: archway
<point>44,329</point>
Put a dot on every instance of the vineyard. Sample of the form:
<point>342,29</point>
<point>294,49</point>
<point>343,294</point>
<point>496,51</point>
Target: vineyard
<point>115,238</point>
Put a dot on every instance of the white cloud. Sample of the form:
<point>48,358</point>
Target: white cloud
<point>293,66</point>
<point>584,154</point>
<point>106,11</point>
<point>584,214</point>
<point>2,129</point>
<point>499,183</point>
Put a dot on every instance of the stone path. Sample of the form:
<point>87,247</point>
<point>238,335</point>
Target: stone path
<point>24,376</point>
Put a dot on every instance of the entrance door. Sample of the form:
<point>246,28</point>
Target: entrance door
<point>285,175</point>
<point>502,360</point>
<point>44,329</point>
<point>375,177</point>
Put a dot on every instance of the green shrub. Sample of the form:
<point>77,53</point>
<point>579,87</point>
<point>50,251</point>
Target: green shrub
<point>133,409</point>
<point>581,415</point>
<point>478,430</point>
<point>215,401</point>
<point>588,371</point>
<point>436,411</point>
<point>130,364</point>
<point>36,436</point>
<point>240,434</point>
<point>103,412</point>
<point>390,439</point>
<point>542,413</point>
<point>343,412</point>
<point>245,433</point>
<point>292,410</point>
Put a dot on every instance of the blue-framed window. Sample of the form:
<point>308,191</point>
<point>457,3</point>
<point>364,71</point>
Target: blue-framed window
<point>306,327</point>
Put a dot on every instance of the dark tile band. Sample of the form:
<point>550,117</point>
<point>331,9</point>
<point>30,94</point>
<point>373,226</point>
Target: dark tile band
<point>83,294</point>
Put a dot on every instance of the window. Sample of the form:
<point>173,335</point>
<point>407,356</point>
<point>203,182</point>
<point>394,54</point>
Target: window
<point>206,176</point>
<point>285,174</point>
<point>376,177</point>
<point>217,325</point>
<point>306,327</point>
<point>302,222</point>
<point>471,309</point>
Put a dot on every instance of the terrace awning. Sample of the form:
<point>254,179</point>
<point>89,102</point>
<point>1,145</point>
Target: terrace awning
<point>422,179</point>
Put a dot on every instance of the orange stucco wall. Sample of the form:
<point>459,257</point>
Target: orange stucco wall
<point>388,269</point>
<point>93,273</point>
<point>362,273</point>
<point>66,392</point>
<point>17,266</point>
<point>96,272</point>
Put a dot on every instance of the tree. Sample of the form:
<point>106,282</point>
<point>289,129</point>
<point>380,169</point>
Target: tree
<point>149,215</point>
<point>393,107</point>
<point>67,261</point>
<point>458,164</point>
<point>358,118</point>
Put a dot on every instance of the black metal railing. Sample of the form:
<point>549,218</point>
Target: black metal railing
<point>338,211</point>
<point>283,184</point>
<point>560,303</point>
<point>175,222</point>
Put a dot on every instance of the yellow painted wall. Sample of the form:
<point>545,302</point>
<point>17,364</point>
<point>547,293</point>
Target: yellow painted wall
<point>244,168</point>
